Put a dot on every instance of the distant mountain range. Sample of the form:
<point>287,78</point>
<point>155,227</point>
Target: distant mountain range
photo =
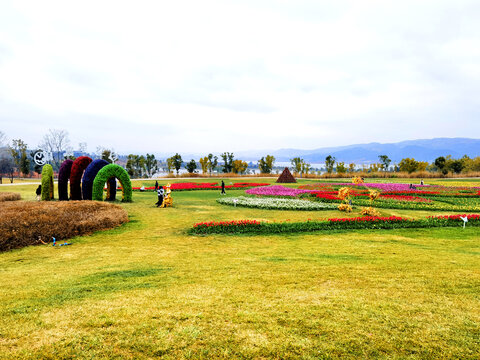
<point>421,150</point>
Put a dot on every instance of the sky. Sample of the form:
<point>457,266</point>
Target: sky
<point>214,76</point>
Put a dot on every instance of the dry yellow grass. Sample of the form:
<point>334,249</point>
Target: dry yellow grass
<point>25,223</point>
<point>9,196</point>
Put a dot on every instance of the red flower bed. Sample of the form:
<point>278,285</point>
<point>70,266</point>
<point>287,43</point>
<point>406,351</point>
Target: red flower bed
<point>227,223</point>
<point>411,192</point>
<point>456,217</point>
<point>206,186</point>
<point>369,219</point>
<point>404,198</point>
<point>354,223</point>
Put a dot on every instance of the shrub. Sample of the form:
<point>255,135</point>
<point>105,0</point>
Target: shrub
<point>108,172</point>
<point>89,176</point>
<point>23,222</point>
<point>63,178</point>
<point>47,182</point>
<point>9,196</point>
<point>78,167</point>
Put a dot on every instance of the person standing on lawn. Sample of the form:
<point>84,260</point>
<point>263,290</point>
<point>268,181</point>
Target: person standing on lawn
<point>156,185</point>
<point>223,189</point>
<point>38,192</point>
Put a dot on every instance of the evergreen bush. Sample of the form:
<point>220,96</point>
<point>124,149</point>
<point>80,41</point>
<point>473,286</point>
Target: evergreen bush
<point>112,171</point>
<point>47,182</point>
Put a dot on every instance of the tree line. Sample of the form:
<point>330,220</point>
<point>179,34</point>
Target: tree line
<point>16,158</point>
<point>442,164</point>
<point>210,163</point>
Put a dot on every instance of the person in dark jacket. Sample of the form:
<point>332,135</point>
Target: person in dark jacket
<point>38,192</point>
<point>160,193</point>
<point>156,185</point>
<point>223,189</point>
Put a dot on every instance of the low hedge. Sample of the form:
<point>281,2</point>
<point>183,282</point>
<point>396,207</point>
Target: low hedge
<point>367,222</point>
<point>23,222</point>
<point>112,171</point>
<point>9,196</point>
<point>47,182</point>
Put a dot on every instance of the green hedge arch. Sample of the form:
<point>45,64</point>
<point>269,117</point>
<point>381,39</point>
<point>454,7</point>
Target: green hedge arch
<point>47,182</point>
<point>107,172</point>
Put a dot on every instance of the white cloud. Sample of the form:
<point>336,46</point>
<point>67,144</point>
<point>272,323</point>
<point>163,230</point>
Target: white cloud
<point>223,75</point>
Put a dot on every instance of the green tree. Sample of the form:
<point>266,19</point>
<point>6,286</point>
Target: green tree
<point>108,155</point>
<point>341,168</point>
<point>305,168</point>
<point>239,166</point>
<point>135,165</point>
<point>297,164</point>
<point>176,161</point>
<point>170,165</point>
<point>227,162</point>
<point>7,165</point>
<point>265,164</point>
<point>408,164</point>
<point>18,150</point>
<point>151,165</point>
<point>385,161</point>
<point>204,164</point>
<point>329,163</point>
<point>456,166</point>
<point>212,163</point>
<point>473,164</point>
<point>440,163</point>
<point>191,166</point>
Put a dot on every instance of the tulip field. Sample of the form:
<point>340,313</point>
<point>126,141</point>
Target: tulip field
<point>265,271</point>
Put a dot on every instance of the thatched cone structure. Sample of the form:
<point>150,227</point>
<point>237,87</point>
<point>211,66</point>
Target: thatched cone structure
<point>286,177</point>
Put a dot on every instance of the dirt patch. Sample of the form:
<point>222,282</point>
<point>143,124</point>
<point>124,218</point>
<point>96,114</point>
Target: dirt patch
<point>23,223</point>
<point>9,196</point>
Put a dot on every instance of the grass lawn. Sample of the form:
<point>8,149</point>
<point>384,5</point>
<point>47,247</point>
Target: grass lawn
<point>149,290</point>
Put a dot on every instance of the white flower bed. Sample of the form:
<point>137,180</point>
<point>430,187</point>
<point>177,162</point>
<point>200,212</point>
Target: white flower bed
<point>276,203</point>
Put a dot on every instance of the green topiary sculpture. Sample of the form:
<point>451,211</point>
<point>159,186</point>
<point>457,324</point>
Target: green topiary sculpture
<point>47,182</point>
<point>112,171</point>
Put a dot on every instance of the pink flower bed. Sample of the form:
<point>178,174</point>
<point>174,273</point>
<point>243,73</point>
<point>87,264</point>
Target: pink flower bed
<point>275,190</point>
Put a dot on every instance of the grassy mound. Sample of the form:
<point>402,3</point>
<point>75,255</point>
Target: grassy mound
<point>22,223</point>
<point>9,196</point>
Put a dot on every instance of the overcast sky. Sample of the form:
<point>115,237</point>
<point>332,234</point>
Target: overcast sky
<point>213,76</point>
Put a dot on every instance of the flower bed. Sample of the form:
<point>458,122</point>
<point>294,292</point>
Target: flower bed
<point>367,222</point>
<point>186,186</point>
<point>400,196</point>
<point>401,189</point>
<point>276,190</point>
<point>276,203</point>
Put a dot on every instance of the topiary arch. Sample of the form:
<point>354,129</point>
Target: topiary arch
<point>78,166</point>
<point>47,182</point>
<point>89,176</point>
<point>112,171</point>
<point>63,178</point>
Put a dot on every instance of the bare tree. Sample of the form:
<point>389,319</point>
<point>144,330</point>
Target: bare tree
<point>56,141</point>
<point>3,139</point>
<point>82,148</point>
